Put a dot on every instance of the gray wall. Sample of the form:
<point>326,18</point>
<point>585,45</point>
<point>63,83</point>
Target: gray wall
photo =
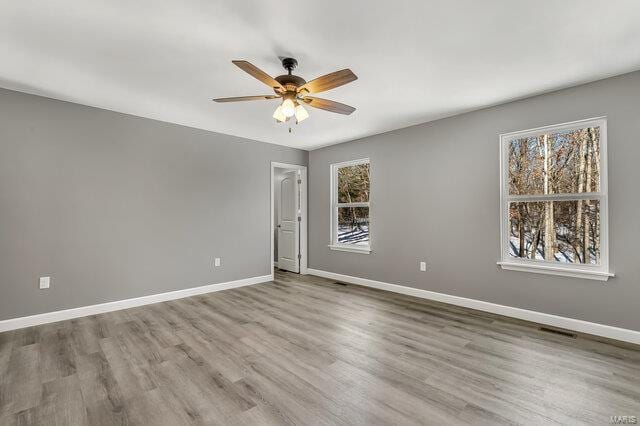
<point>435,197</point>
<point>113,206</point>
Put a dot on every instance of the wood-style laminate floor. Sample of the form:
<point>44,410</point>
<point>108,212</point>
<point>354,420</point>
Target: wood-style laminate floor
<point>304,350</point>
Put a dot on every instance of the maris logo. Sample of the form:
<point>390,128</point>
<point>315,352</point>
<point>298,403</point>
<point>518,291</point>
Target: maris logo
<point>623,420</point>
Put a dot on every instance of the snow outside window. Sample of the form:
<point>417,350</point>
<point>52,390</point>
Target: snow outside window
<point>350,190</point>
<point>554,200</point>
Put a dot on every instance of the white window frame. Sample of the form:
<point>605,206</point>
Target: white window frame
<point>596,272</point>
<point>334,245</point>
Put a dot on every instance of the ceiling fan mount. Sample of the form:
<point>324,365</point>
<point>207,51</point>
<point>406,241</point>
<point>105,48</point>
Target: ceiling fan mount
<point>294,90</point>
<point>289,64</point>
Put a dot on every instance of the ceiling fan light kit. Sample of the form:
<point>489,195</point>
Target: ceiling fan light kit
<point>294,91</point>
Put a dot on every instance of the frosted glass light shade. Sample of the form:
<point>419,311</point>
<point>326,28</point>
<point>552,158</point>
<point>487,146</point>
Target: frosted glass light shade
<point>279,115</point>
<point>301,113</point>
<point>288,108</point>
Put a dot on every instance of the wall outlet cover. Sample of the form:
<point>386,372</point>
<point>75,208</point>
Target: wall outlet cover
<point>423,266</point>
<point>45,282</point>
<point>216,261</point>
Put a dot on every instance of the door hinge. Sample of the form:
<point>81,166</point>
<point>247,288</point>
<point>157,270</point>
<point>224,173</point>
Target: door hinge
<point>299,181</point>
<point>299,256</point>
<point>299,218</point>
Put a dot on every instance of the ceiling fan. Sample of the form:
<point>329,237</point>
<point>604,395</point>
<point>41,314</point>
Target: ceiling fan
<point>294,90</point>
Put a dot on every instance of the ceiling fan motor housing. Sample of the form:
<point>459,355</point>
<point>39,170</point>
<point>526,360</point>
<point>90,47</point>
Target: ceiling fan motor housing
<point>290,82</point>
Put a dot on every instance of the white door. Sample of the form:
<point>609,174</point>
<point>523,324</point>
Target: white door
<point>288,229</point>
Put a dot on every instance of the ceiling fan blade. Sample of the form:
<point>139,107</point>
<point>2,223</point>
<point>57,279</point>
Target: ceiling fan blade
<point>245,98</point>
<point>329,81</point>
<point>256,72</point>
<point>328,105</point>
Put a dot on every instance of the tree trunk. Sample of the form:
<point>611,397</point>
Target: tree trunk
<point>586,257</point>
<point>521,229</point>
<point>596,161</point>
<point>595,144</point>
<point>549,229</point>
<point>536,239</point>
<point>522,165</point>
<point>581,182</point>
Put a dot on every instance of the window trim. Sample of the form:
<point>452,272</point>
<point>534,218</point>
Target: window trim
<point>333,236</point>
<point>596,272</point>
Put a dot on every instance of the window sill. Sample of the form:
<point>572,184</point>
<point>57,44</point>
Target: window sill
<point>554,270</point>
<point>354,249</point>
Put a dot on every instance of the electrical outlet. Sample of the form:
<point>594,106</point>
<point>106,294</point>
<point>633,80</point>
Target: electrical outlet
<point>423,266</point>
<point>45,282</point>
<point>216,261</point>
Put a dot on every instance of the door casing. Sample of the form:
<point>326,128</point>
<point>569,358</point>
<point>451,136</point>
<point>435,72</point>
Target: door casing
<point>303,213</point>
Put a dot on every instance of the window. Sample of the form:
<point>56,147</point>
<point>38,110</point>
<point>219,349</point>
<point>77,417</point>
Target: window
<point>554,200</point>
<point>350,189</point>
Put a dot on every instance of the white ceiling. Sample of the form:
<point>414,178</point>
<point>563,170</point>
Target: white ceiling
<point>416,60</point>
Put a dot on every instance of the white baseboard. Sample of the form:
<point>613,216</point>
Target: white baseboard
<point>83,311</point>
<point>581,326</point>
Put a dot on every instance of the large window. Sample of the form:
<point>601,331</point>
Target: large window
<point>350,189</point>
<point>554,200</point>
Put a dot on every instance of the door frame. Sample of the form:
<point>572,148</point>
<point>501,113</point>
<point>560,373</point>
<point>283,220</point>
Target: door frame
<point>303,213</point>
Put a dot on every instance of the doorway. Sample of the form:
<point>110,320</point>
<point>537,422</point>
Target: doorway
<point>289,217</point>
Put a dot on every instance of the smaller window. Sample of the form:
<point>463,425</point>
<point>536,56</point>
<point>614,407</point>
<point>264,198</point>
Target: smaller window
<point>350,192</point>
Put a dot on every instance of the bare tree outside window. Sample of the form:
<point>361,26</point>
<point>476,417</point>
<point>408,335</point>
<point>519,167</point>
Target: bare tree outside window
<point>351,203</point>
<point>551,215</point>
